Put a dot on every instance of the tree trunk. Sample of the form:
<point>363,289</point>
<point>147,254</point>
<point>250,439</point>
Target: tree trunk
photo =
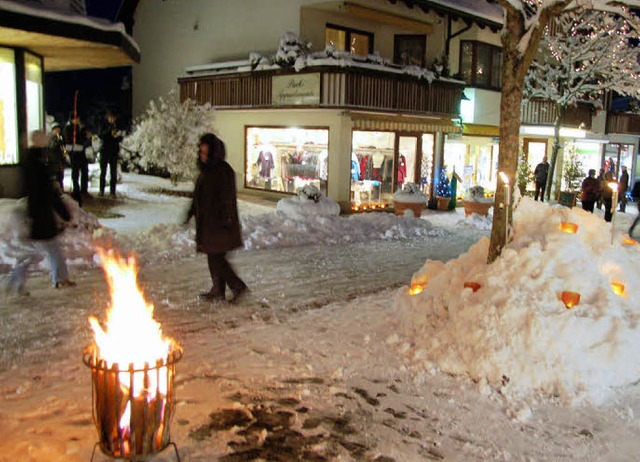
<point>554,152</point>
<point>510,116</point>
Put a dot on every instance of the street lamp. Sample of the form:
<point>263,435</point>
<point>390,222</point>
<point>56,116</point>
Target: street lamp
<point>614,203</point>
<point>507,202</point>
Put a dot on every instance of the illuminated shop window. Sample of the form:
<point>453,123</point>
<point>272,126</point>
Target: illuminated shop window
<point>372,168</point>
<point>33,74</point>
<point>286,159</point>
<point>8,121</point>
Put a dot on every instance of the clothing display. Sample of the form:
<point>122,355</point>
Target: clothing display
<point>266,163</point>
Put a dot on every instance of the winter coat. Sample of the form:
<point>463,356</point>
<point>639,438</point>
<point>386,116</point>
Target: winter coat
<point>590,189</point>
<point>56,155</point>
<point>541,172</point>
<point>44,199</point>
<point>111,137</point>
<point>215,209</point>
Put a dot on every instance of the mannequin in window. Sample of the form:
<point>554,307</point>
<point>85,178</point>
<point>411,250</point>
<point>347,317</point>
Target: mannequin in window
<point>266,163</point>
<point>402,169</point>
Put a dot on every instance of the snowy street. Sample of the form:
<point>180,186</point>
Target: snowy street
<point>305,368</point>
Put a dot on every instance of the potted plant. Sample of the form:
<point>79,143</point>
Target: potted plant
<point>443,190</point>
<point>476,202</point>
<point>410,197</point>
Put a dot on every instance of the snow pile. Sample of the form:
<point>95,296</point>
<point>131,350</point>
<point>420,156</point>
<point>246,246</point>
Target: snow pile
<point>410,193</point>
<point>514,334</point>
<point>308,202</point>
<point>477,221</point>
<point>278,230</point>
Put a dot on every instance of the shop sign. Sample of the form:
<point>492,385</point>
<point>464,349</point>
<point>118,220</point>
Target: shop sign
<point>289,90</point>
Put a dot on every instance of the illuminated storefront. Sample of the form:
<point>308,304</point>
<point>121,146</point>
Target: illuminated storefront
<point>473,158</point>
<point>8,120</point>
<point>286,159</point>
<point>382,162</point>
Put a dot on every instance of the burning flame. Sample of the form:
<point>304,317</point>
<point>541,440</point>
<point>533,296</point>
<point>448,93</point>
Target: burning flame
<point>416,289</point>
<point>131,336</point>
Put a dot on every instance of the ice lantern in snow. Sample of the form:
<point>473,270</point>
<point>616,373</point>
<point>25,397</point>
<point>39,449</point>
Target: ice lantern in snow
<point>617,288</point>
<point>472,285</point>
<point>570,299</point>
<point>567,227</point>
<point>132,368</point>
<point>416,288</point>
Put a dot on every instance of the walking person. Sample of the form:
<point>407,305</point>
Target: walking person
<point>109,153</point>
<point>76,140</point>
<point>607,196</point>
<point>540,173</point>
<point>623,185</point>
<point>601,185</point>
<point>44,201</point>
<point>590,189</point>
<point>215,209</point>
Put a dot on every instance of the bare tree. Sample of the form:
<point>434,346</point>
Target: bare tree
<point>524,25</point>
<point>587,54</point>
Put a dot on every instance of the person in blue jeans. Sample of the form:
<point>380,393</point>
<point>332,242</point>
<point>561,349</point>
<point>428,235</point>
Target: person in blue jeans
<point>44,201</point>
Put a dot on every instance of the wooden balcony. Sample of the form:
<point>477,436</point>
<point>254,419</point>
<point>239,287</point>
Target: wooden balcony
<point>543,112</point>
<point>618,122</point>
<point>348,88</point>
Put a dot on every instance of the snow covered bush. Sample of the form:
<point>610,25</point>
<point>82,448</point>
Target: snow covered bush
<point>475,193</point>
<point>290,47</point>
<point>309,192</point>
<point>166,136</point>
<point>410,192</point>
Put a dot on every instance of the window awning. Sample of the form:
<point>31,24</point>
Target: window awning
<point>397,123</point>
<point>66,42</point>
<point>480,130</point>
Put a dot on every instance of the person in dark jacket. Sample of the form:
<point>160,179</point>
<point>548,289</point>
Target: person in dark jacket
<point>44,201</point>
<point>76,140</point>
<point>590,191</point>
<point>216,213</point>
<point>111,137</point>
<point>623,185</point>
<point>540,173</point>
<point>57,155</point>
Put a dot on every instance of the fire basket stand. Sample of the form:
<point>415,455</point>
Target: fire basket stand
<point>133,407</point>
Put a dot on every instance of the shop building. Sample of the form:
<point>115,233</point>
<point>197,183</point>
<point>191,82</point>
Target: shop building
<point>357,122</point>
<point>36,37</point>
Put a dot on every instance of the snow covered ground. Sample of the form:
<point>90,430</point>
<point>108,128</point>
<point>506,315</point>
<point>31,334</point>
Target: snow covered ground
<point>329,358</point>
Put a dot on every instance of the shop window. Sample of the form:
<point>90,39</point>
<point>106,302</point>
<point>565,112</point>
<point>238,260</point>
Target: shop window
<point>344,39</point>
<point>481,64</point>
<point>8,120</point>
<point>372,167</point>
<point>286,159</point>
<point>33,86</point>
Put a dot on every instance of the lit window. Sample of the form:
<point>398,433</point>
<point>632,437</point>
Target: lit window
<point>287,159</point>
<point>353,41</point>
<point>8,120</point>
<point>481,64</point>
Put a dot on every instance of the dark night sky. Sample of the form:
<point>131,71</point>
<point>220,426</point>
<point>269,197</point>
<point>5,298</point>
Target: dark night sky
<point>97,89</point>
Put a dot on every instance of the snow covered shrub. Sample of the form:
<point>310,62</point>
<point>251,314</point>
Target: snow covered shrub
<point>572,172</point>
<point>166,135</point>
<point>309,192</point>
<point>290,48</point>
<point>475,193</point>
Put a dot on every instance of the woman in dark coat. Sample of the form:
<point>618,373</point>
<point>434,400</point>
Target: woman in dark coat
<point>216,213</point>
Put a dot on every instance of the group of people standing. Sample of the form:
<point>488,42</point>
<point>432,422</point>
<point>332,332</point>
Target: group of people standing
<point>70,143</point>
<point>598,191</point>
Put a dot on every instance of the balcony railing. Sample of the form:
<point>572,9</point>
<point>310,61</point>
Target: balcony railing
<point>544,112</point>
<point>350,88</point>
<point>618,122</point>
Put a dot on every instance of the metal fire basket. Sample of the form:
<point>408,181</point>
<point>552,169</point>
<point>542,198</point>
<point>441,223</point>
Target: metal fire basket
<point>130,411</point>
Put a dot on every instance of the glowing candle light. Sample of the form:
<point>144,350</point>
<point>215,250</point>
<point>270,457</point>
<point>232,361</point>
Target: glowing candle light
<point>570,299</point>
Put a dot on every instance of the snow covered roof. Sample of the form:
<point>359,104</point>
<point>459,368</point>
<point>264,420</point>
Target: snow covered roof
<point>67,40</point>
